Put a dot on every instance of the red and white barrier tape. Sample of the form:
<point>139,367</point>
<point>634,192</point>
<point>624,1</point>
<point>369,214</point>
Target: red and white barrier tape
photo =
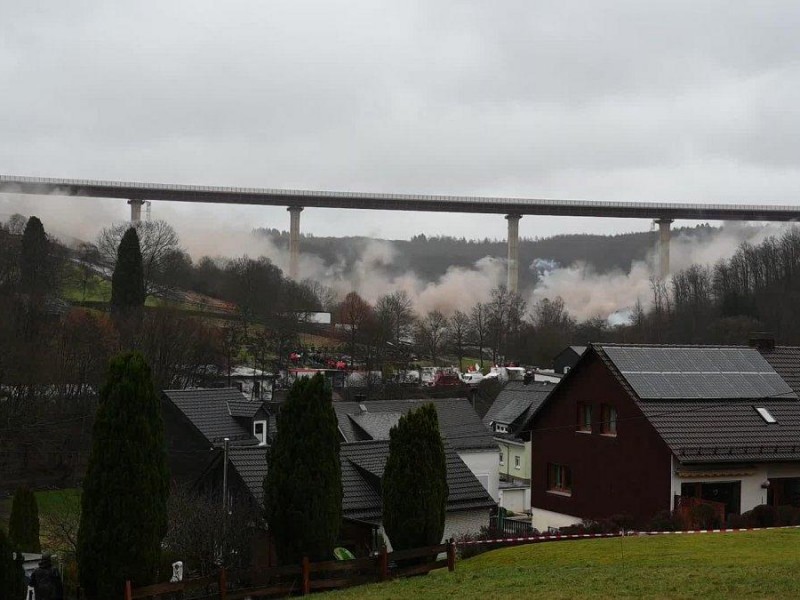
<point>557,537</point>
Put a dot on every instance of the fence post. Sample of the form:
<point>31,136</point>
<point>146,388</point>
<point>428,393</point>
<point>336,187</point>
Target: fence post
<point>223,584</point>
<point>306,576</point>
<point>451,555</point>
<point>383,564</point>
<point>128,591</point>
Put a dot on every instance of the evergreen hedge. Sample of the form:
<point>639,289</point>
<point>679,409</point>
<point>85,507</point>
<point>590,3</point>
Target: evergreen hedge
<point>415,481</point>
<point>303,485</point>
<point>124,500</point>
<point>23,526</point>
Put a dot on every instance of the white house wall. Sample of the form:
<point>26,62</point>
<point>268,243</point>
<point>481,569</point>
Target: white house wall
<point>752,492</point>
<point>456,525</point>
<point>517,500</point>
<point>485,465</point>
<point>465,522</point>
<point>545,519</point>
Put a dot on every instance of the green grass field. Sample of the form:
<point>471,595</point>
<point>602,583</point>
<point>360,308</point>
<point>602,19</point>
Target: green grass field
<point>763,564</point>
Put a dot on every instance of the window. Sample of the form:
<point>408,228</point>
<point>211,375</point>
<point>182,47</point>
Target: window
<point>502,462</point>
<point>500,428</point>
<point>584,417</point>
<point>609,420</point>
<point>260,432</point>
<point>517,462</point>
<point>559,479</point>
<point>766,415</point>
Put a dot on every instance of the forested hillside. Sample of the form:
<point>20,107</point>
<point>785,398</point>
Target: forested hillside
<point>429,257</point>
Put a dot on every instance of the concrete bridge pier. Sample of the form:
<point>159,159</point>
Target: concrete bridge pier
<point>513,252</point>
<point>136,210</point>
<point>294,240</point>
<point>664,237</point>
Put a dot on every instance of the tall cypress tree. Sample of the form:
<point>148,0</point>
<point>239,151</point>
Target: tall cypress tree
<point>23,526</point>
<point>127,282</point>
<point>415,481</point>
<point>124,500</point>
<point>12,575</point>
<point>35,264</point>
<point>303,485</point>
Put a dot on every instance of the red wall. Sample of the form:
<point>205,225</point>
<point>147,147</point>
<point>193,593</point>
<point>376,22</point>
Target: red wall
<point>627,474</point>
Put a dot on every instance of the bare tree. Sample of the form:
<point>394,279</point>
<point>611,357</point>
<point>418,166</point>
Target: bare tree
<point>479,321</point>
<point>202,535</point>
<point>354,313</point>
<point>432,332</point>
<point>158,242</point>
<point>458,334</point>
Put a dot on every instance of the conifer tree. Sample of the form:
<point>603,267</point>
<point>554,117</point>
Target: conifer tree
<point>23,526</point>
<point>12,575</point>
<point>303,485</point>
<point>124,500</point>
<point>35,264</point>
<point>127,282</point>
<point>415,481</point>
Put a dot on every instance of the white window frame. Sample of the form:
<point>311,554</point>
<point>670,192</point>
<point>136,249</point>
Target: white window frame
<point>765,414</point>
<point>517,462</point>
<point>262,439</point>
<point>502,456</point>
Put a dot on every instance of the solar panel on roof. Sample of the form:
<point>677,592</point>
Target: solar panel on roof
<point>697,372</point>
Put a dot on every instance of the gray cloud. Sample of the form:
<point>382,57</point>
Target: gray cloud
<point>679,100</point>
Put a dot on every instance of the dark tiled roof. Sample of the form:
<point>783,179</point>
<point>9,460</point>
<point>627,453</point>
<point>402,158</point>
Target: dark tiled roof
<point>720,430</point>
<point>208,409</point>
<point>729,431</point>
<point>250,463</point>
<point>376,425</point>
<point>517,400</point>
<point>786,361</point>
<point>363,464</point>
<point>696,372</point>
<point>243,408</point>
<point>459,423</point>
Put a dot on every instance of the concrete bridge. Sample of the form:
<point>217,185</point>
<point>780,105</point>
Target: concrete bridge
<point>663,213</point>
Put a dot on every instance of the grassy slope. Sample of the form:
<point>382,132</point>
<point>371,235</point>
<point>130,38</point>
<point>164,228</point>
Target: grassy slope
<point>757,564</point>
<point>50,502</point>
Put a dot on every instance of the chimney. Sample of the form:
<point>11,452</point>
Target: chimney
<point>762,341</point>
<point>528,378</point>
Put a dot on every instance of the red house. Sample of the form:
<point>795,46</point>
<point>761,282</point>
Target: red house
<point>636,430</point>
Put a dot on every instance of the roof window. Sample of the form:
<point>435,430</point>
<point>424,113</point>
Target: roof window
<point>765,414</point>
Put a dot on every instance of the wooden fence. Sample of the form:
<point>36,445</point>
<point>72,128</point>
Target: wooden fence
<point>306,577</point>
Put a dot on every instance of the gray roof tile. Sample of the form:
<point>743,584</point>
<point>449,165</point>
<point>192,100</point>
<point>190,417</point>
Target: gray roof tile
<point>208,409</point>
<point>517,400</point>
<point>459,423</point>
<point>698,422</point>
<point>363,464</point>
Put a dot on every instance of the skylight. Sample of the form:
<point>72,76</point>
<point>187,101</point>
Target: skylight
<point>765,414</point>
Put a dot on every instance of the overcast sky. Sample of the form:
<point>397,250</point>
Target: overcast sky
<point>649,101</point>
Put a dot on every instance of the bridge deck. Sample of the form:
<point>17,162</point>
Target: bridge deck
<point>407,202</point>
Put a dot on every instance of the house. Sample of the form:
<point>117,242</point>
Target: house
<point>637,430</point>
<point>254,383</point>
<point>459,424</point>
<point>567,358</point>
<point>196,421</point>
<point>786,362</point>
<point>363,463</point>
<point>509,420</point>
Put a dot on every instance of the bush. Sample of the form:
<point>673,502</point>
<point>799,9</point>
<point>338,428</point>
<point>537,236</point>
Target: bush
<point>762,515</point>
<point>468,551</point>
<point>704,517</point>
<point>788,515</point>
<point>664,521</point>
